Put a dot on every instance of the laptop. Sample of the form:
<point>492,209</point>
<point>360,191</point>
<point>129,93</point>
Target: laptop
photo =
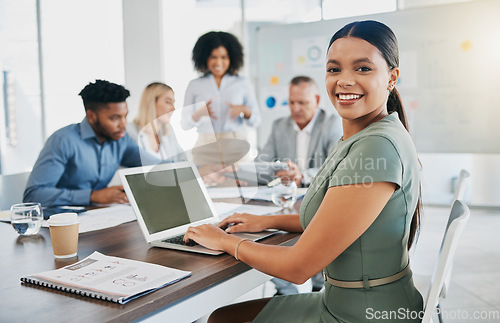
<point>169,198</point>
<point>256,173</point>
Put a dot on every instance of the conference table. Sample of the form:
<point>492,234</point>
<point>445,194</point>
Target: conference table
<point>215,280</point>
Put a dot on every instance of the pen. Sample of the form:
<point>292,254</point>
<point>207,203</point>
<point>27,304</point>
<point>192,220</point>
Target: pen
<point>274,182</point>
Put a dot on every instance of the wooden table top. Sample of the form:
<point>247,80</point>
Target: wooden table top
<point>20,256</point>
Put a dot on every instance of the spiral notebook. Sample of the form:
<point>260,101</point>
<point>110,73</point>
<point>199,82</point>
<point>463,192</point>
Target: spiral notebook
<point>108,278</point>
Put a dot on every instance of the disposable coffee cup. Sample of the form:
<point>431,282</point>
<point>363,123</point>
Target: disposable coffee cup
<point>64,234</point>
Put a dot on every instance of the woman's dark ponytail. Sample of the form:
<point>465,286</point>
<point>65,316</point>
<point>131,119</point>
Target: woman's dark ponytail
<point>394,104</point>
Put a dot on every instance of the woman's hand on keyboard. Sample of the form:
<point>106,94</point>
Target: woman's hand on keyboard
<point>244,222</point>
<point>208,235</point>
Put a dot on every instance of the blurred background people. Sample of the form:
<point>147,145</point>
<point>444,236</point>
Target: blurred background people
<point>230,102</point>
<point>78,161</point>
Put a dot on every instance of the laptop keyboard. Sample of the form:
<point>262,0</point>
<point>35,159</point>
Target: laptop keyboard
<point>179,240</point>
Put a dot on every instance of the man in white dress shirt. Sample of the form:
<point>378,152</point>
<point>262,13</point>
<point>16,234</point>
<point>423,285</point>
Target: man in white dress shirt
<point>306,137</point>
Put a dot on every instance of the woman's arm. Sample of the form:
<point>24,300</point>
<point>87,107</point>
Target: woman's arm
<point>343,216</point>
<point>255,223</point>
<point>239,110</point>
<point>251,102</point>
<point>340,220</point>
<point>190,106</point>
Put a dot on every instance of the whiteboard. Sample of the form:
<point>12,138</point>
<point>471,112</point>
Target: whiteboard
<point>450,72</point>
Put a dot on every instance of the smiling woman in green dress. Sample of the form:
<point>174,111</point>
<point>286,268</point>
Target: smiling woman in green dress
<point>360,213</point>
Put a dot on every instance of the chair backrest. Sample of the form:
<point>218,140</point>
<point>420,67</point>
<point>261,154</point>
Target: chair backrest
<point>12,189</point>
<point>463,181</point>
<point>458,218</point>
<point>462,184</point>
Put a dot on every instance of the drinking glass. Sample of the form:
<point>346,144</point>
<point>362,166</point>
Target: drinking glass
<point>284,195</point>
<point>26,218</point>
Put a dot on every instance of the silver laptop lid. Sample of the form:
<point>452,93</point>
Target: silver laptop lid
<point>167,198</point>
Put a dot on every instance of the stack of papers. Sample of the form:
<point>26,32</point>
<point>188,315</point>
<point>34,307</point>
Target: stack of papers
<point>103,218</point>
<point>226,209</point>
<point>96,219</point>
<point>247,192</point>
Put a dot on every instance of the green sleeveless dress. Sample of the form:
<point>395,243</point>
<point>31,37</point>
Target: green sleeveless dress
<point>382,152</point>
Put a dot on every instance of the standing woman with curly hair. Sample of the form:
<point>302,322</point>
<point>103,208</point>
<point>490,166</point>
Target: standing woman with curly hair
<point>230,101</point>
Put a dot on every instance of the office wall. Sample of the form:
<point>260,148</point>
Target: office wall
<point>448,84</point>
<point>440,171</point>
<point>143,45</point>
<point>20,110</point>
<point>82,41</point>
<point>448,70</point>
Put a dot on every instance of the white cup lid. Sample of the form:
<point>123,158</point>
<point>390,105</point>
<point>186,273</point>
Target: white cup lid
<point>63,219</point>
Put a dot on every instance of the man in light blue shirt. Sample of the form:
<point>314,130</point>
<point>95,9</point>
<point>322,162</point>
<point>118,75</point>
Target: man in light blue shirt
<point>78,161</point>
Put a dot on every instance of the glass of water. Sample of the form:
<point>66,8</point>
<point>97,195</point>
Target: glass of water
<point>284,195</point>
<point>26,218</point>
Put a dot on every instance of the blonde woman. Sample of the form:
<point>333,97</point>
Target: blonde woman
<point>151,127</point>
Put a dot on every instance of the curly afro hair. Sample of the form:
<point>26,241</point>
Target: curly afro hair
<point>96,95</point>
<point>212,40</point>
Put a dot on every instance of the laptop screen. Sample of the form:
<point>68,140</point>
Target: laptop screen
<point>166,198</point>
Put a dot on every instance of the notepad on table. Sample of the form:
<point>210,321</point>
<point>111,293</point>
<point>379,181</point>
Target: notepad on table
<point>108,278</point>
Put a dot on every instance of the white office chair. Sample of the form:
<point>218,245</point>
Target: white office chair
<point>458,218</point>
<point>462,184</point>
<point>12,189</point>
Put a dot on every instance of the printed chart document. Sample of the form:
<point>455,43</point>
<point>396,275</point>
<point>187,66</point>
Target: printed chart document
<point>108,278</point>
